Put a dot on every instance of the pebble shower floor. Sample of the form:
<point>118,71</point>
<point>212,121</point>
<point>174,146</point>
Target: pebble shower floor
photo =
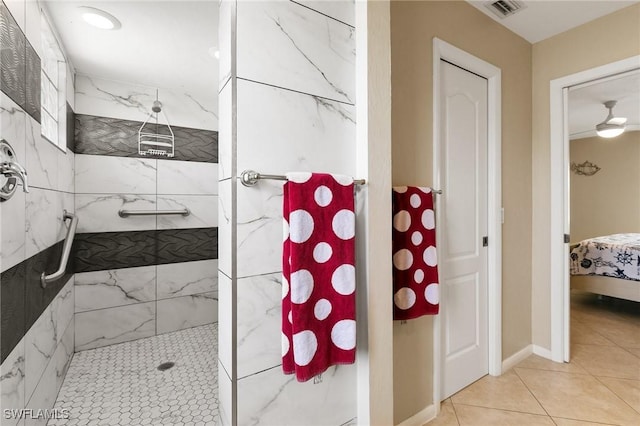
<point>121,384</point>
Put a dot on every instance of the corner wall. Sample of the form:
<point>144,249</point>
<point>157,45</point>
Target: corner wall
<point>286,104</point>
<point>413,27</point>
<point>611,38</point>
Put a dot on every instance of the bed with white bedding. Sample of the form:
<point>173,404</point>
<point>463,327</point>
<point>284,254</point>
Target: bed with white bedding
<point>608,265</point>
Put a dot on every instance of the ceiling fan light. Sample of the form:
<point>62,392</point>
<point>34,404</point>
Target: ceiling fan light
<point>609,130</point>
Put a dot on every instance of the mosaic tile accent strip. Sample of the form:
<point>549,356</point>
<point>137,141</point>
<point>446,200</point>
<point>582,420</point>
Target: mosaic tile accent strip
<point>12,57</point>
<point>22,298</point>
<point>115,250</point>
<point>32,105</point>
<point>117,137</point>
<point>121,384</point>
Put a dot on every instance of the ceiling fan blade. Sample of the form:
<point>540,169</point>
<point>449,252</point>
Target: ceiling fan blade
<point>618,120</point>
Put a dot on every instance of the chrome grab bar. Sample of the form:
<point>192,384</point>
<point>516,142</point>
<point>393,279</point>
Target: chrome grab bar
<point>66,250</point>
<point>127,213</point>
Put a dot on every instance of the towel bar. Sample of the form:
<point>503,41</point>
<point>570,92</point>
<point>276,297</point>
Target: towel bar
<point>127,213</point>
<point>66,250</point>
<point>251,177</point>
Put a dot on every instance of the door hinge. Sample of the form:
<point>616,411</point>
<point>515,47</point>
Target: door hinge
<point>485,241</point>
<point>567,238</point>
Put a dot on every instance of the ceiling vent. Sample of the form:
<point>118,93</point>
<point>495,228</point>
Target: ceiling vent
<point>505,8</point>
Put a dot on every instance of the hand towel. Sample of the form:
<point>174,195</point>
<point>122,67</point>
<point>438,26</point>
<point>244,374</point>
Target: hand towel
<point>318,278</point>
<point>415,261</point>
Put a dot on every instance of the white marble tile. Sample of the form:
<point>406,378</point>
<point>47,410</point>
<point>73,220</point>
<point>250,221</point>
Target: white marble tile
<point>41,220</point>
<point>127,101</point>
<point>63,355</point>
<point>12,233</point>
<point>102,174</point>
<point>184,279</point>
<point>44,396</point>
<point>66,171</point>
<point>32,23</point>
<point>225,14</point>
<point>187,178</point>
<point>288,45</point>
<point>99,212</point>
<point>259,323</point>
<point>225,141</point>
<point>259,229</point>
<point>203,211</point>
<point>225,396</point>
<point>17,9</point>
<point>12,374</point>
<point>115,99</point>
<point>304,133</point>
<point>273,398</point>
<point>114,325</point>
<point>117,287</point>
<point>225,322</point>
<point>225,211</point>
<point>66,202</point>
<point>187,311</point>
<point>44,337</point>
<point>70,89</point>
<point>12,123</point>
<point>342,10</point>
<point>41,158</point>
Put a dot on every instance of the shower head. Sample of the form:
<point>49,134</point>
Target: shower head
<point>157,107</point>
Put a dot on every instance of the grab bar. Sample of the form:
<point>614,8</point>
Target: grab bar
<point>127,213</point>
<point>66,250</point>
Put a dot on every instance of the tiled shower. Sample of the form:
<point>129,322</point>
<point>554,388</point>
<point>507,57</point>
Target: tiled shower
<point>145,288</point>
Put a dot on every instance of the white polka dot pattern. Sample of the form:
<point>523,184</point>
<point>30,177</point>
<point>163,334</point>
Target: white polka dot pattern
<point>415,272</point>
<point>318,263</point>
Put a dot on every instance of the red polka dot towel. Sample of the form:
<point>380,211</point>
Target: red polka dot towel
<point>415,262</point>
<point>318,274</point>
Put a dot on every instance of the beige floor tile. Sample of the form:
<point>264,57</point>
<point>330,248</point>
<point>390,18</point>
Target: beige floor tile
<point>635,351</point>
<point>506,392</point>
<point>608,361</point>
<point>622,332</point>
<point>628,390</point>
<point>568,422</point>
<point>538,363</point>
<point>583,334</point>
<point>577,396</point>
<point>447,416</point>
<point>480,416</point>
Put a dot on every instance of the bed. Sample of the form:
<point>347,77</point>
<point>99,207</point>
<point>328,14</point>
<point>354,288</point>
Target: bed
<point>607,265</point>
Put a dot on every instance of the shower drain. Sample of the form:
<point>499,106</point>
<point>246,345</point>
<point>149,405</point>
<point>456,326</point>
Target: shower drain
<point>166,366</point>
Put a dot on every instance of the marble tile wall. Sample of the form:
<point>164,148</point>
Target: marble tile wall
<point>292,68</point>
<point>37,328</point>
<point>143,275</point>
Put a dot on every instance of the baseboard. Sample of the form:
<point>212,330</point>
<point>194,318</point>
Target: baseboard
<point>423,416</point>
<point>543,352</point>
<point>516,358</point>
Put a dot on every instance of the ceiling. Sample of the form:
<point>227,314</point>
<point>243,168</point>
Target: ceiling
<point>541,19</point>
<point>161,43</point>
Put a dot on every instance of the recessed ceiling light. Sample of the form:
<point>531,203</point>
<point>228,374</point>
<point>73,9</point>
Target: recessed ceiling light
<point>213,51</point>
<point>99,18</point>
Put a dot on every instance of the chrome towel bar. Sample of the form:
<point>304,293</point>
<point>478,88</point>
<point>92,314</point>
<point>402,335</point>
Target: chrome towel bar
<point>127,213</point>
<point>66,250</point>
<point>251,177</point>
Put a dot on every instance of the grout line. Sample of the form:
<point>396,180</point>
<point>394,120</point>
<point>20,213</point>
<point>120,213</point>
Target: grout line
<point>615,393</point>
<point>531,392</point>
<point>295,91</point>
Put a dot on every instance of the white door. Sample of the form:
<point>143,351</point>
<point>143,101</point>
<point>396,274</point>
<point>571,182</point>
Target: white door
<point>463,224</point>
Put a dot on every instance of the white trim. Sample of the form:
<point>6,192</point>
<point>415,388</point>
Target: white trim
<point>559,190</point>
<point>517,358</point>
<point>421,417</point>
<point>540,351</point>
<point>450,53</point>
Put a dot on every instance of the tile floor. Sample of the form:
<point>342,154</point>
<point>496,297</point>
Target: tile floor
<point>601,384</point>
<point>121,385</point>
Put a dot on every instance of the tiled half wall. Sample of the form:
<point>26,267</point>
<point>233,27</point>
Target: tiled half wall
<point>142,275</point>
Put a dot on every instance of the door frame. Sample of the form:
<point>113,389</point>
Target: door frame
<point>559,198</point>
<point>493,74</point>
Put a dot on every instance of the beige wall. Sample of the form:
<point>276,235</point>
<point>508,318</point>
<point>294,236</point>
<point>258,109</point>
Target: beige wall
<point>608,39</point>
<point>413,27</point>
<point>609,201</point>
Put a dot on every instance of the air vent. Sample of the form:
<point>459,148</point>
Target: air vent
<point>505,8</point>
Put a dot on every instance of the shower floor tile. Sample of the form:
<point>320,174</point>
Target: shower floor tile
<point>121,384</point>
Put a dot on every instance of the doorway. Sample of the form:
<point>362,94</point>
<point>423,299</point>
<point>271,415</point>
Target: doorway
<point>482,336</point>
